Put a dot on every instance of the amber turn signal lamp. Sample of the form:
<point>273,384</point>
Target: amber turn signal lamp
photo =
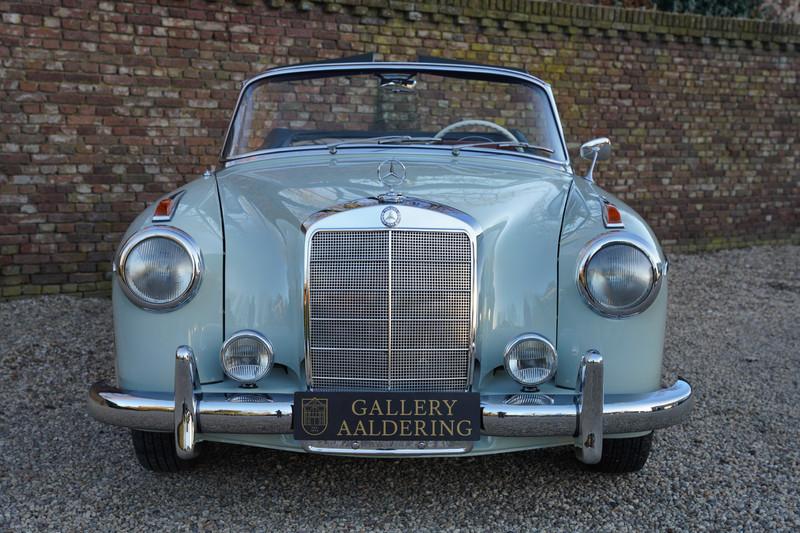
<point>164,208</point>
<point>611,216</point>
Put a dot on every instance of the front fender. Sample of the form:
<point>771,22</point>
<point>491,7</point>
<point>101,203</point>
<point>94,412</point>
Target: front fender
<point>146,340</point>
<point>632,347</point>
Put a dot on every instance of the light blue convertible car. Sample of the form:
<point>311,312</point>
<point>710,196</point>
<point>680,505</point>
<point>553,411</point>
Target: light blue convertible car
<point>392,259</point>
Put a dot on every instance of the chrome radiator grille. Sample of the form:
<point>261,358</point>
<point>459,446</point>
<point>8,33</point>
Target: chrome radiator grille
<point>390,310</point>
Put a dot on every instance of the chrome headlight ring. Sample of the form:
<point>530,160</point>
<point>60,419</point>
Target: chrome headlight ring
<point>177,236</point>
<point>658,268</point>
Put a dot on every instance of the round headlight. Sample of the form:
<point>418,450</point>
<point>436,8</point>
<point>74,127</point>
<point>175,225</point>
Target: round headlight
<point>531,359</point>
<point>618,277</point>
<point>247,356</point>
<point>160,268</point>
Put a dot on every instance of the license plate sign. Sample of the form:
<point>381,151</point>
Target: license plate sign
<point>390,416</point>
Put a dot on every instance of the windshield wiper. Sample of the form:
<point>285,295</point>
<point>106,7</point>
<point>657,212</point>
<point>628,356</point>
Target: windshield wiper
<point>404,139</point>
<point>516,144</point>
<point>385,139</point>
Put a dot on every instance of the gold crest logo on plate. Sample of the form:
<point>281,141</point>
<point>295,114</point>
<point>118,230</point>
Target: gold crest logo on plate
<point>314,416</point>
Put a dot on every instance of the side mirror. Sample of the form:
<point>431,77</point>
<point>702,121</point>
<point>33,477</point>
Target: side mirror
<point>596,150</point>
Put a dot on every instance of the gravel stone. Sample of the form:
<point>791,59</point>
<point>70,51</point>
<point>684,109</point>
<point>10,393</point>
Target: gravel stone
<point>732,333</point>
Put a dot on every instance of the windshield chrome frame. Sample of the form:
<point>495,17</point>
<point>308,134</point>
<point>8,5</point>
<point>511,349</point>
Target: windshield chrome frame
<point>510,74</point>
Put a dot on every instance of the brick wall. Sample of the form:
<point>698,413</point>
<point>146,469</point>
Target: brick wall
<point>106,105</point>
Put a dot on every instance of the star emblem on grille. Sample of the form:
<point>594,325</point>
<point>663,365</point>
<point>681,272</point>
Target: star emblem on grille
<point>390,217</point>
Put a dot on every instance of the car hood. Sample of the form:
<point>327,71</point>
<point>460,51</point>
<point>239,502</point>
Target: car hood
<point>518,203</point>
<point>294,187</point>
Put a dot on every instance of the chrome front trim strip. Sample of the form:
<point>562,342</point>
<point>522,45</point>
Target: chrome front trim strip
<point>384,449</point>
<point>409,201</point>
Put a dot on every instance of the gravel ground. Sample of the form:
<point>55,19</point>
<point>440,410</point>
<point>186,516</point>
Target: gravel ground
<point>732,333</point>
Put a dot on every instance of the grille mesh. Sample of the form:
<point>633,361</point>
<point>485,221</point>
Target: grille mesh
<point>390,310</point>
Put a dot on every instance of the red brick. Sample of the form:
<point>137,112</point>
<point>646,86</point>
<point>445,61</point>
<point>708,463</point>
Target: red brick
<point>107,110</point>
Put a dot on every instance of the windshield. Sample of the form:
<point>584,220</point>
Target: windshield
<point>338,109</point>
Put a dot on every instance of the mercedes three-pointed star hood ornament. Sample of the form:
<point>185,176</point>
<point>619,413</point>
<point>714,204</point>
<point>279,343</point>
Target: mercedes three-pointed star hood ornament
<point>392,173</point>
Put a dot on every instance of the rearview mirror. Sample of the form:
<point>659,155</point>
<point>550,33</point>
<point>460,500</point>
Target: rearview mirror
<point>596,150</point>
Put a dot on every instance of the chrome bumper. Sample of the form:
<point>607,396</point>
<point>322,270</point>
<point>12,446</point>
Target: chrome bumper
<point>587,414</point>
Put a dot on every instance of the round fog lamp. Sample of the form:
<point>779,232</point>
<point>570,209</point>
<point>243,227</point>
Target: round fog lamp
<point>247,356</point>
<point>531,359</point>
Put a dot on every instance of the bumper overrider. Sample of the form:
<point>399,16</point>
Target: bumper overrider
<point>587,414</point>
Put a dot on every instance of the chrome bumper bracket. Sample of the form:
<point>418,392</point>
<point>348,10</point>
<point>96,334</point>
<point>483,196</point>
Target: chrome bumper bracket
<point>589,400</point>
<point>187,396</point>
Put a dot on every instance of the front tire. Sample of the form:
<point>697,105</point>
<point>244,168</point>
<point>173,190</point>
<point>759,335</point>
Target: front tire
<point>624,455</point>
<point>156,452</point>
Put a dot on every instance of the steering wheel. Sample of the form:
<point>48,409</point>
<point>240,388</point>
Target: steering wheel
<point>485,123</point>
